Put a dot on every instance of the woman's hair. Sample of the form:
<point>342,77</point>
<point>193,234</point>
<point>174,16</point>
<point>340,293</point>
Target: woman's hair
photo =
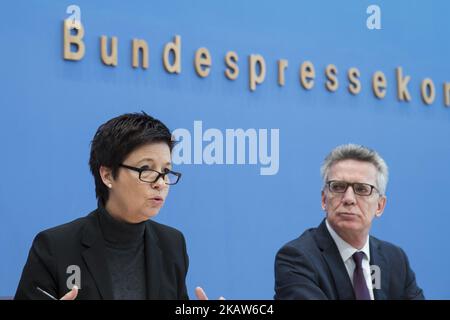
<point>117,138</point>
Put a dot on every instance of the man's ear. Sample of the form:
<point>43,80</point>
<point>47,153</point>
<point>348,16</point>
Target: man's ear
<point>106,175</point>
<point>380,206</point>
<point>324,201</point>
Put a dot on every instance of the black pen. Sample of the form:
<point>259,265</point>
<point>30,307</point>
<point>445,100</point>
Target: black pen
<point>46,293</point>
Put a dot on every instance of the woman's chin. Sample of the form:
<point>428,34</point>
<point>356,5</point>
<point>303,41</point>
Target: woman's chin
<point>151,212</point>
<point>148,212</point>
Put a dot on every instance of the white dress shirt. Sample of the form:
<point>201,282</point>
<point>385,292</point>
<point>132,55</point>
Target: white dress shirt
<point>347,251</point>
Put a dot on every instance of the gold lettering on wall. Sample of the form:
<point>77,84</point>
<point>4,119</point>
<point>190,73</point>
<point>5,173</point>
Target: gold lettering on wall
<point>379,84</point>
<point>354,86</point>
<point>402,86</point>
<point>173,48</point>
<point>282,65</point>
<point>447,94</point>
<point>232,70</point>
<point>256,78</point>
<point>139,45</point>
<point>70,39</point>
<point>428,91</point>
<point>74,48</point>
<point>307,75</point>
<point>332,84</point>
<point>202,62</point>
<point>109,59</point>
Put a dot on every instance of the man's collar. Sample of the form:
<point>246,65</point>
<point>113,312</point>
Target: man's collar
<point>345,249</point>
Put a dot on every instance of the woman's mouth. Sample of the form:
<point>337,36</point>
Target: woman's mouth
<point>157,201</point>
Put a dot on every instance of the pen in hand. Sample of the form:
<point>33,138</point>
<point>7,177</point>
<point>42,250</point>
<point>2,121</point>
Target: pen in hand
<point>46,293</point>
<point>71,295</point>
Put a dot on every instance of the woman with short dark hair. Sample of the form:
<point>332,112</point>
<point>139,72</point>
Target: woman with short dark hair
<point>116,252</point>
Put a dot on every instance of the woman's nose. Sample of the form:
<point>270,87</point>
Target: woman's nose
<point>160,183</point>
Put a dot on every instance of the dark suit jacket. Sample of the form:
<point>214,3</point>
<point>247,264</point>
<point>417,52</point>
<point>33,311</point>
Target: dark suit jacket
<point>80,243</point>
<point>311,267</point>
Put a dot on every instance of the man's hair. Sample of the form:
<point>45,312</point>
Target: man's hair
<point>117,138</point>
<point>360,153</point>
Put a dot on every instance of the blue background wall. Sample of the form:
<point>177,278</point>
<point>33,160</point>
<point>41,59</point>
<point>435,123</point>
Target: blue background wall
<point>234,219</point>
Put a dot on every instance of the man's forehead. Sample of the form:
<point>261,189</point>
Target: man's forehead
<point>353,167</point>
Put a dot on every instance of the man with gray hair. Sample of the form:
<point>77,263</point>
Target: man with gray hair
<point>339,259</point>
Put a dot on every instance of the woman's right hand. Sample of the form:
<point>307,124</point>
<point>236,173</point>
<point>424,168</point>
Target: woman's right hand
<point>201,295</point>
<point>71,295</point>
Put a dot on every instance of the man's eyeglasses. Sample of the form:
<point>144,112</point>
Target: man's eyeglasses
<point>151,176</point>
<point>361,189</point>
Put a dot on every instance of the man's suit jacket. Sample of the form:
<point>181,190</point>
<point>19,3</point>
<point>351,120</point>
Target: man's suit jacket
<point>81,243</point>
<point>311,267</point>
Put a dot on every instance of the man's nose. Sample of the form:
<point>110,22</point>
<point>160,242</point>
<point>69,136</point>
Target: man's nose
<point>349,196</point>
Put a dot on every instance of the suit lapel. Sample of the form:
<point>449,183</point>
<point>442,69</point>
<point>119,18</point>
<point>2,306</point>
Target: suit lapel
<point>153,258</point>
<point>330,252</point>
<point>377,259</point>
<point>94,257</point>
